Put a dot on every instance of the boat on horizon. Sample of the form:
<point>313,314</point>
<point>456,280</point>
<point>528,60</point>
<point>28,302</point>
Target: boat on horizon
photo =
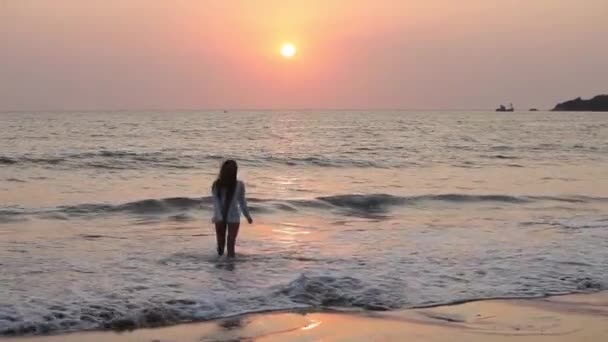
<point>502,108</point>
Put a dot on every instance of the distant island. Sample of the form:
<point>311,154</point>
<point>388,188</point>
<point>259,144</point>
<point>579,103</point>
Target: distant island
<point>596,104</point>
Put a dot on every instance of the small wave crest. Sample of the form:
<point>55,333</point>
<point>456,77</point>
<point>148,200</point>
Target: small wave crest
<point>7,160</point>
<point>146,206</point>
<point>164,205</point>
<point>576,222</point>
<point>325,162</point>
<point>30,160</point>
<point>109,159</point>
<point>381,202</point>
<point>100,159</point>
<point>143,207</point>
<point>367,205</point>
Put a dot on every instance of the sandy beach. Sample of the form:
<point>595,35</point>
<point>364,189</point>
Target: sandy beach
<point>581,317</point>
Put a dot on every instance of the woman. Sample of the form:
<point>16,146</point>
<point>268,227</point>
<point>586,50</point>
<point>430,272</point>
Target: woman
<point>226,192</point>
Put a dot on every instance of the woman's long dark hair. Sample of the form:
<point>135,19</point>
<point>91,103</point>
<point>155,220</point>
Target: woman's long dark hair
<point>226,181</point>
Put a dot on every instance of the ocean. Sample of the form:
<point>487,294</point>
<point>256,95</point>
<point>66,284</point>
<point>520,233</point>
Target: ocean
<point>105,216</point>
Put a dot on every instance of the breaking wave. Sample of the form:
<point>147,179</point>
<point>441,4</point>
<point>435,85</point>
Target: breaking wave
<point>306,292</point>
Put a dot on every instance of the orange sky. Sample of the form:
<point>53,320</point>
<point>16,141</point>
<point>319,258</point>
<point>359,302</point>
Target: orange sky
<point>190,54</point>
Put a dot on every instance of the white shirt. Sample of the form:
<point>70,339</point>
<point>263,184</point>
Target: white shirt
<point>234,214</point>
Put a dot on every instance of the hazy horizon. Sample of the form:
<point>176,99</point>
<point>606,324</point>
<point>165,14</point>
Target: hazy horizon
<point>358,55</point>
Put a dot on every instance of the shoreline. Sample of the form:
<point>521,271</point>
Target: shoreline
<point>572,317</point>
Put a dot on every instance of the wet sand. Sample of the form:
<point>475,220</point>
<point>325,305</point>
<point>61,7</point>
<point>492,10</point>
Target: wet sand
<point>582,317</point>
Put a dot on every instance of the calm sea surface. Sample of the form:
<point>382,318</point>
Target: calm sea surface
<point>105,217</point>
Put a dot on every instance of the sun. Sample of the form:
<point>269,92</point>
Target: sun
<point>288,50</point>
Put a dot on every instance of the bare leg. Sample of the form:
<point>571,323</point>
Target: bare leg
<point>220,234</point>
<point>233,231</point>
